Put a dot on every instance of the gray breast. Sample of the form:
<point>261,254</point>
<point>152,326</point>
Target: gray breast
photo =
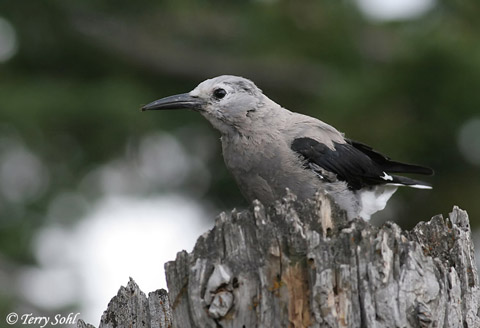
<point>264,168</point>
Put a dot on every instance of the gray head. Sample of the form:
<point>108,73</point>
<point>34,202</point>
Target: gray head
<point>228,102</point>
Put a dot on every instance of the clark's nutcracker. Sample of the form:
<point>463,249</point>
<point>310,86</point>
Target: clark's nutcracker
<point>268,148</point>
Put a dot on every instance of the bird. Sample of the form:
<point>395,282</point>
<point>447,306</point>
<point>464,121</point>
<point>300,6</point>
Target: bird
<point>268,148</point>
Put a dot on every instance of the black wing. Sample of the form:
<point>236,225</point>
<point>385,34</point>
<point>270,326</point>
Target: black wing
<point>387,164</point>
<point>355,163</point>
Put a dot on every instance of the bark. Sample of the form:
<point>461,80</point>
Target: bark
<point>305,265</point>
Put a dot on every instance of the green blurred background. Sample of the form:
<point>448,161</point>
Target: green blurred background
<point>73,75</point>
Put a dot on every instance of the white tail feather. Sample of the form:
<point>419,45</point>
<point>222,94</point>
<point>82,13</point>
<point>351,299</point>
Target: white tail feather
<point>416,186</point>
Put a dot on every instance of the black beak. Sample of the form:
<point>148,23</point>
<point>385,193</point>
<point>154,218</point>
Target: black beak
<point>180,101</point>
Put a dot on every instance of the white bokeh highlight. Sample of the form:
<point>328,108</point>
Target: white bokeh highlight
<point>135,222</point>
<point>120,237</point>
<point>23,175</point>
<point>8,40</point>
<point>392,10</point>
<point>469,141</point>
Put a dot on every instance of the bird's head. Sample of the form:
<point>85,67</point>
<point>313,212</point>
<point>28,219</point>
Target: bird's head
<point>228,102</point>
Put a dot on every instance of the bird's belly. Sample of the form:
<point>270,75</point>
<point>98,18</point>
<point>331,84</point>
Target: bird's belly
<point>265,176</point>
<point>271,185</point>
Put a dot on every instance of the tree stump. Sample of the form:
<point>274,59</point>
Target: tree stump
<point>304,265</point>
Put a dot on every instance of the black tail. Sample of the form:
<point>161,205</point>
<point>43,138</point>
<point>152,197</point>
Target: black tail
<point>388,165</point>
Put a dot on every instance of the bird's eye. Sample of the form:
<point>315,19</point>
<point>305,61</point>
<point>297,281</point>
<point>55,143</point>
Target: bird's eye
<point>219,93</point>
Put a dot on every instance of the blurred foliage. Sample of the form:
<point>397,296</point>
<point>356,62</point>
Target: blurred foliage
<point>72,92</point>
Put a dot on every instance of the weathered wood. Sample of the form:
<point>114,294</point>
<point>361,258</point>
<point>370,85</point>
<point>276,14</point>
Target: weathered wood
<point>131,308</point>
<point>305,265</point>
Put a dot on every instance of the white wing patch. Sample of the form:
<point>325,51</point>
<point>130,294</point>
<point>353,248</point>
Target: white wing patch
<point>386,177</point>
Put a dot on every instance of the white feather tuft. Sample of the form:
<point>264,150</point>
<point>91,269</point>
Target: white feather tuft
<point>375,199</point>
